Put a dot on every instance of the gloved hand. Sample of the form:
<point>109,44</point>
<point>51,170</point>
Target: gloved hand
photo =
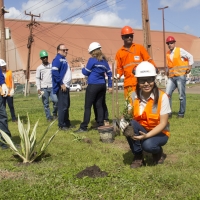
<point>129,132</point>
<point>123,124</point>
<point>4,90</point>
<point>12,92</point>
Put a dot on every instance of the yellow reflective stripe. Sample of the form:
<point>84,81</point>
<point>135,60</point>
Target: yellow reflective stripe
<point>133,63</point>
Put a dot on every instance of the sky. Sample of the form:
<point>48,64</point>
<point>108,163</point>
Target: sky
<point>180,16</point>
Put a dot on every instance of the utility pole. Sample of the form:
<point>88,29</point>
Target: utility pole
<point>2,31</point>
<point>163,19</point>
<point>30,40</point>
<point>146,27</point>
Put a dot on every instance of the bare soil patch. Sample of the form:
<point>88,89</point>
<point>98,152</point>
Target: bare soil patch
<point>93,172</point>
<point>5,174</point>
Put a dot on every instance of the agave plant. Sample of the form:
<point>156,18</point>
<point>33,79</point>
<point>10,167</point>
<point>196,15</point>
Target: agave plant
<point>31,149</point>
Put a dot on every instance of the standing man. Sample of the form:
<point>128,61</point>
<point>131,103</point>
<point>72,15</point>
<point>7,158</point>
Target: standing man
<point>179,64</point>
<point>61,77</point>
<point>44,86</point>
<point>3,114</point>
<point>128,57</point>
<point>9,81</point>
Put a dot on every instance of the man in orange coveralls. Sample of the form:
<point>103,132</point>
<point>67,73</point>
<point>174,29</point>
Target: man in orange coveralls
<point>128,57</point>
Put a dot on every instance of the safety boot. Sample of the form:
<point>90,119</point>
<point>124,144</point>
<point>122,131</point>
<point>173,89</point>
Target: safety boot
<point>159,157</point>
<point>138,161</point>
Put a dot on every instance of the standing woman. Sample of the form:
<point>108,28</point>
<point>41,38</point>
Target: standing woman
<point>95,69</point>
<point>150,113</point>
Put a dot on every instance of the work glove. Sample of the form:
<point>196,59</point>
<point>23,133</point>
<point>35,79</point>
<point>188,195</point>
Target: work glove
<point>40,95</point>
<point>126,128</point>
<point>12,92</point>
<point>4,90</point>
<point>117,77</point>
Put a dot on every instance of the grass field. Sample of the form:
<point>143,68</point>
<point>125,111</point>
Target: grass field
<point>54,177</point>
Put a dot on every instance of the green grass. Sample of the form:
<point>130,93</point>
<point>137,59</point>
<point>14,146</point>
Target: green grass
<point>54,177</point>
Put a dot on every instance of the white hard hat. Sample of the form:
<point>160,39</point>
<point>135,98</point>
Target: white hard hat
<point>93,46</point>
<point>2,63</point>
<point>145,69</point>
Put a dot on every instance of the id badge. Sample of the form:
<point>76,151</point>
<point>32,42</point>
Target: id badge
<point>136,57</point>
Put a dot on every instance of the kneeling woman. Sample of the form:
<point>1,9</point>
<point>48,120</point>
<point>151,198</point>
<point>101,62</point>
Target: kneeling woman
<point>151,107</point>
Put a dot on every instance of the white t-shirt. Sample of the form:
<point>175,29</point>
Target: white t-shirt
<point>165,105</point>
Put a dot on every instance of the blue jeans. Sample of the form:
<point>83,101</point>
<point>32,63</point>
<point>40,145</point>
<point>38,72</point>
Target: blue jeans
<point>48,93</point>
<point>179,83</point>
<point>150,145</point>
<point>9,100</point>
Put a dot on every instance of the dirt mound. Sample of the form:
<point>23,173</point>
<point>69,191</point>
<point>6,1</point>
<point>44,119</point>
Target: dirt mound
<point>93,172</point>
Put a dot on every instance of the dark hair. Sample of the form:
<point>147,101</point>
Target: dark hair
<point>155,92</point>
<point>58,47</point>
<point>97,53</point>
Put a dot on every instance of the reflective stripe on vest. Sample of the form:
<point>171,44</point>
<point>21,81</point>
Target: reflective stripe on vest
<point>177,67</point>
<point>150,117</point>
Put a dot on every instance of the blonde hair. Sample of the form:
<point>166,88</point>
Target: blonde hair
<point>97,53</point>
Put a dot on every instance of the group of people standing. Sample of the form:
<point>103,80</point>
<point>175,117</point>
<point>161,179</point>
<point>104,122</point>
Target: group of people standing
<point>151,106</point>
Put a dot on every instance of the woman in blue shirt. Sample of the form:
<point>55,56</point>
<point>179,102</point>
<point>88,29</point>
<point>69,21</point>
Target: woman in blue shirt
<point>95,70</point>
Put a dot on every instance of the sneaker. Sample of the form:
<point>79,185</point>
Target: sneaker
<point>106,123</point>
<point>180,116</point>
<point>159,157</point>
<point>138,161</point>
<point>50,119</point>
<point>80,130</point>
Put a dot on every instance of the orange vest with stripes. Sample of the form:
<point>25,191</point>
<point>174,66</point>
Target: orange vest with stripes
<point>150,117</point>
<point>177,67</point>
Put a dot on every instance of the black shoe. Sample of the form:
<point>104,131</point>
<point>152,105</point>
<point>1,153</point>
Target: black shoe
<point>71,126</point>
<point>4,146</point>
<point>180,116</point>
<point>80,130</point>
<point>64,128</point>
<point>55,117</point>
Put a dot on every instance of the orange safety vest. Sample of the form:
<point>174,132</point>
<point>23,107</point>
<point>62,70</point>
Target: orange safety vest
<point>128,59</point>
<point>177,67</point>
<point>8,80</point>
<point>150,117</point>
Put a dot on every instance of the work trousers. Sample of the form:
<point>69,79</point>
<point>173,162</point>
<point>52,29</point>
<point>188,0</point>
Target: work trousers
<point>105,109</point>
<point>3,119</point>
<point>63,108</point>
<point>150,145</point>
<point>9,100</point>
<point>94,94</point>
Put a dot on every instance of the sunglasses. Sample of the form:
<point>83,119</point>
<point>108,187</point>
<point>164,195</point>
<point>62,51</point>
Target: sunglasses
<point>42,58</point>
<point>128,36</point>
<point>146,79</point>
<point>64,50</point>
<point>170,43</point>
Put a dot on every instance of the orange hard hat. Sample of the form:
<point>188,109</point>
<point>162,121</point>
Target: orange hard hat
<point>127,30</point>
<point>170,39</point>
